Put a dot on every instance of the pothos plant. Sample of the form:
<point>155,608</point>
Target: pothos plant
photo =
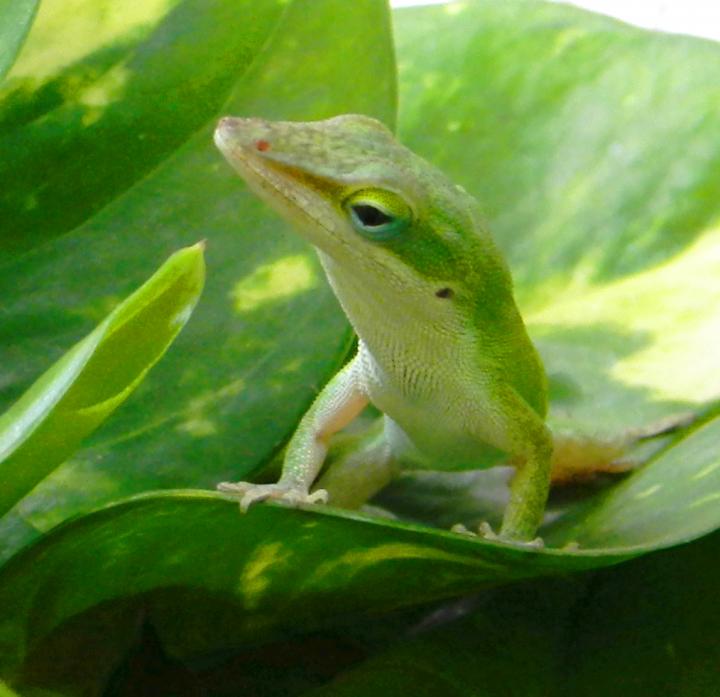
<point>594,149</point>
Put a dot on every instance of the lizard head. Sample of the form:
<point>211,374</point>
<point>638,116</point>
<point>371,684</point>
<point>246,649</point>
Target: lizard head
<point>375,209</point>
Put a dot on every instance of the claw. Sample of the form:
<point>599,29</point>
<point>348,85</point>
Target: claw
<point>250,497</point>
<point>485,530</point>
<point>460,529</point>
<point>571,547</point>
<point>318,496</point>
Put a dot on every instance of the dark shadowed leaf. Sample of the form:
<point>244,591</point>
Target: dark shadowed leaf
<point>650,628</point>
<point>646,629</point>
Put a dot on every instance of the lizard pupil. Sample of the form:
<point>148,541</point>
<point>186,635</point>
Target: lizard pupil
<point>370,216</point>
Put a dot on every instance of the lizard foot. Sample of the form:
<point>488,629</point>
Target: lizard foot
<point>487,533</point>
<point>248,493</point>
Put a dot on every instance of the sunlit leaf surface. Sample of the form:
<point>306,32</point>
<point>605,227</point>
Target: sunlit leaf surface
<point>97,375</point>
<point>268,332</point>
<point>594,149</point>
<point>15,19</point>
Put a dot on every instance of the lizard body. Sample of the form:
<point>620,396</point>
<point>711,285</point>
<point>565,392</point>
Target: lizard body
<point>443,351</point>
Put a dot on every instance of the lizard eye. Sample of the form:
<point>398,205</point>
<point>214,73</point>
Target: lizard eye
<point>369,216</point>
<point>377,214</point>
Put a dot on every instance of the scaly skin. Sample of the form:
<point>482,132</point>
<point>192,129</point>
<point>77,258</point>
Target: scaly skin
<point>443,351</point>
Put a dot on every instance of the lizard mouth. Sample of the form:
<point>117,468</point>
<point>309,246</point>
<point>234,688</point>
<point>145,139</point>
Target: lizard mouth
<point>304,200</point>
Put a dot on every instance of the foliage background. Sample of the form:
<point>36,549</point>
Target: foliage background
<point>594,149</point>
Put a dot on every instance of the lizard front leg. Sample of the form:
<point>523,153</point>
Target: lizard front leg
<point>340,401</point>
<point>529,440</point>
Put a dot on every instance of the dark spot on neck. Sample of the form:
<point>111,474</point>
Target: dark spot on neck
<point>444,293</point>
<point>262,145</point>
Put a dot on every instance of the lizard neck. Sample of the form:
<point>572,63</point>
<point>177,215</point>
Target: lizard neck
<point>402,339</point>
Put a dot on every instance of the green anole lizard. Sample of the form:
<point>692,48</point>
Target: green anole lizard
<point>443,352</point>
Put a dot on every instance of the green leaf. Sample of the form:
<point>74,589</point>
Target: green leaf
<point>90,381</point>
<point>275,567</point>
<point>242,580</point>
<point>103,92</point>
<point>15,19</point>
<point>597,186</point>
<point>645,629</point>
<point>5,691</point>
<point>61,662</point>
<point>270,332</point>
<point>593,147</point>
<point>649,628</point>
<point>539,92</point>
<point>498,643</point>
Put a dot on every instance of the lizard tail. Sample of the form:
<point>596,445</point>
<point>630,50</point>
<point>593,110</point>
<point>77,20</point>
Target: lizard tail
<point>580,459</point>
